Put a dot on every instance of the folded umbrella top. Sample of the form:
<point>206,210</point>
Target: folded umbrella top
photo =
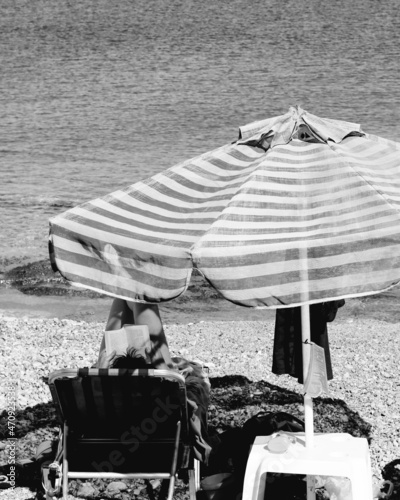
<point>300,209</point>
<point>283,128</point>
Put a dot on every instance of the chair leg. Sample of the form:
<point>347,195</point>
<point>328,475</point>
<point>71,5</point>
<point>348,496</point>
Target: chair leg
<point>65,464</point>
<point>194,479</point>
<point>192,485</point>
<point>197,474</point>
<point>171,487</point>
<point>50,480</point>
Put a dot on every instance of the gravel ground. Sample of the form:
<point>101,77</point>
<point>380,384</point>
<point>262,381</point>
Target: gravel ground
<point>363,401</point>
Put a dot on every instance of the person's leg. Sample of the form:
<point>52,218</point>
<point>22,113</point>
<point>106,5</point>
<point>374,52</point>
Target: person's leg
<point>120,315</point>
<point>148,314</point>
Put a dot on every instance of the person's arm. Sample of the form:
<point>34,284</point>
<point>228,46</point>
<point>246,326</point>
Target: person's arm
<point>148,314</point>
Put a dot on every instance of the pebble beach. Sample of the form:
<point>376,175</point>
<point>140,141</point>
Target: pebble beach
<point>363,399</point>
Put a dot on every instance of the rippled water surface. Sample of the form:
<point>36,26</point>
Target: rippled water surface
<point>98,94</point>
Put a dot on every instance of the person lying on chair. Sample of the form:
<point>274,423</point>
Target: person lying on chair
<point>124,313</point>
<point>159,357</point>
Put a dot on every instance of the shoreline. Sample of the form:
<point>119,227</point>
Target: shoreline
<point>34,290</point>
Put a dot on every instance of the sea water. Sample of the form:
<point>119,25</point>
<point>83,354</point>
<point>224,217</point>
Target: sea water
<point>98,94</point>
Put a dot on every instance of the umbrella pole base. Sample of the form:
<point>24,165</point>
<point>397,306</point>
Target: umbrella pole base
<point>311,488</point>
<point>309,428</point>
<point>309,421</point>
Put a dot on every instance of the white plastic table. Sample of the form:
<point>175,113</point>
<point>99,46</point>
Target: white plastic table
<point>339,455</point>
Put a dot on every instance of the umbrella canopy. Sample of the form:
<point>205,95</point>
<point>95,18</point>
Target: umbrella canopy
<point>299,210</point>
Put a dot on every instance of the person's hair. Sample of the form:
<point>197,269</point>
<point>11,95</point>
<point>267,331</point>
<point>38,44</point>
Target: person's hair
<point>132,359</point>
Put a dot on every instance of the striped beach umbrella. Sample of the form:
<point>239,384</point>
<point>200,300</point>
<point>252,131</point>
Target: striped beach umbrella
<point>300,209</point>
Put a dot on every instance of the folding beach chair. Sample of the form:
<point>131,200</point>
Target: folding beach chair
<point>120,423</point>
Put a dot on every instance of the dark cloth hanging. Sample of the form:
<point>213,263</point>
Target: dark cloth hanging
<point>287,353</point>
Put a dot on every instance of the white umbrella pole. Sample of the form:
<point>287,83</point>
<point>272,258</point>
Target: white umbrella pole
<point>306,339</point>
<point>308,405</point>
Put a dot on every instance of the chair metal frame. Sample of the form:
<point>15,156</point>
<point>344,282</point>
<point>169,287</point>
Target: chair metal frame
<point>59,471</point>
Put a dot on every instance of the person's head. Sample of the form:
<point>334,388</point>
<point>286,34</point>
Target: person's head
<point>132,359</point>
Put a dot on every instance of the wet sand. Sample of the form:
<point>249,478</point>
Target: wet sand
<point>35,291</point>
<point>18,304</point>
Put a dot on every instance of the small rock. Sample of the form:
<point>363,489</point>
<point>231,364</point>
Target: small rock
<point>115,487</point>
<point>155,483</point>
<point>87,490</point>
